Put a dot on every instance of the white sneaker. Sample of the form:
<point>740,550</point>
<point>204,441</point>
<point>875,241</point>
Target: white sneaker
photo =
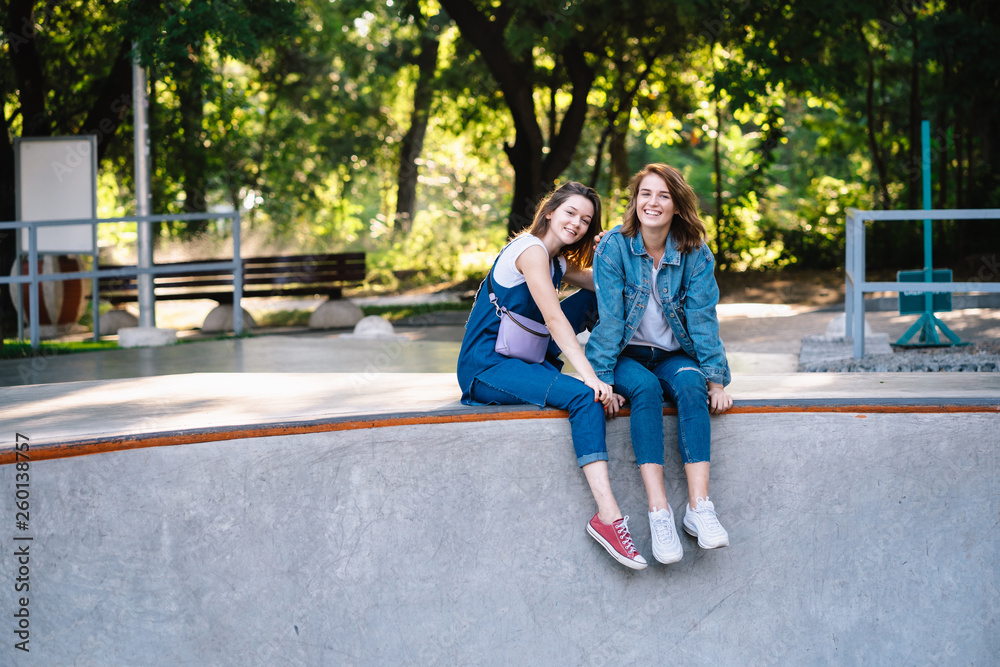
<point>702,522</point>
<point>666,544</point>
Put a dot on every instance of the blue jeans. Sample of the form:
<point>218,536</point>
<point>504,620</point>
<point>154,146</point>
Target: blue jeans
<point>520,383</point>
<point>513,381</point>
<point>648,375</point>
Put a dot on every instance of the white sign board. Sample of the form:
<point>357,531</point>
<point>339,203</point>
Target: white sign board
<point>57,180</point>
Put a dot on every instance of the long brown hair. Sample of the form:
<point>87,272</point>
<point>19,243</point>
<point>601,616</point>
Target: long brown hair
<point>687,227</point>
<point>580,253</point>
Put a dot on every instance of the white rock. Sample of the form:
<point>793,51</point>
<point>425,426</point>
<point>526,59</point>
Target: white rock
<point>113,320</point>
<point>374,326</point>
<point>146,337</point>
<point>220,319</point>
<point>335,314</point>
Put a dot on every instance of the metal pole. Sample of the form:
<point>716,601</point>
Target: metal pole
<point>925,129</point>
<point>237,274</point>
<point>858,326</point>
<point>95,290</point>
<point>925,137</point>
<point>18,256</point>
<point>143,195</point>
<point>849,270</point>
<point>33,289</point>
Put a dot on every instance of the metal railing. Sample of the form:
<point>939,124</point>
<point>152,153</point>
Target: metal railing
<point>857,286</point>
<point>33,278</point>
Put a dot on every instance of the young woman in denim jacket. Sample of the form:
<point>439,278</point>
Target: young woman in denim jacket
<point>657,338</point>
<point>525,279</point>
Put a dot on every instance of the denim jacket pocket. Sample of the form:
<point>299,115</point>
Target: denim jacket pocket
<point>675,308</point>
<point>632,299</point>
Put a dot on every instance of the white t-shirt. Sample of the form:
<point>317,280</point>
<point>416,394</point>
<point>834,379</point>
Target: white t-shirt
<point>653,329</point>
<point>506,272</point>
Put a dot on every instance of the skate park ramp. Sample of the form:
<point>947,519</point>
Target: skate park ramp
<point>225,519</point>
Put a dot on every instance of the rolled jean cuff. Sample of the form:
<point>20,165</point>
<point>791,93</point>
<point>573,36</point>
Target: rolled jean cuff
<point>590,458</point>
<point>642,463</point>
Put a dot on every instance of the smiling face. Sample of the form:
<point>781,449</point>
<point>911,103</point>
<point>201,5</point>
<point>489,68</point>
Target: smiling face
<point>662,204</point>
<point>654,206</point>
<point>570,221</point>
<point>567,220</point>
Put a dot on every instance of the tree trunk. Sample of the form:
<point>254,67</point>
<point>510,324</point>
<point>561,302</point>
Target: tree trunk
<point>721,243</point>
<point>29,83</point>
<point>882,187</point>
<point>534,171</point>
<point>413,141</point>
<point>114,100</point>
<point>620,172</point>
<point>959,159</point>
<point>942,125</point>
<point>914,187</point>
<point>112,104</point>
<point>529,186</point>
<point>8,244</point>
<point>27,66</point>
<point>156,184</point>
<point>595,173</point>
<point>191,109</point>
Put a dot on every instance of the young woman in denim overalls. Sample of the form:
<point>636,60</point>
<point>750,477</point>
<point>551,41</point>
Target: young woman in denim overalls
<point>525,279</point>
<point>657,338</point>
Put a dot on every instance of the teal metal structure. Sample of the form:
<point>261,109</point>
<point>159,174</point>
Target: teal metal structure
<point>927,324</point>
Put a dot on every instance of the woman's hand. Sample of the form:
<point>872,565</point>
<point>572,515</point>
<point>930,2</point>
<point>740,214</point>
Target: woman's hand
<point>617,401</point>
<point>602,391</point>
<point>718,400</point>
<point>599,236</point>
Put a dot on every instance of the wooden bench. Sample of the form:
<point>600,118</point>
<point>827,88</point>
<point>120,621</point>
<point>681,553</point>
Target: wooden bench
<point>288,275</point>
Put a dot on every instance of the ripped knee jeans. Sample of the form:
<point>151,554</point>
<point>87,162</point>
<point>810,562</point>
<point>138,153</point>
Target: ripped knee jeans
<point>647,376</point>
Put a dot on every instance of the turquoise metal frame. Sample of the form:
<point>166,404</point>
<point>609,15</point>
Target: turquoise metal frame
<point>856,284</point>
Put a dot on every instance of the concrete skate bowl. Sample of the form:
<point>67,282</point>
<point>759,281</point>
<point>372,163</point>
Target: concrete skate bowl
<point>861,534</point>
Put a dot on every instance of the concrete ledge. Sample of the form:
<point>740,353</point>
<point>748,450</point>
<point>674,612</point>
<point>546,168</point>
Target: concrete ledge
<point>469,415</point>
<point>78,418</point>
<point>855,539</point>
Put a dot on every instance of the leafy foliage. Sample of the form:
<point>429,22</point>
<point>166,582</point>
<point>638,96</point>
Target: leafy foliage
<point>780,114</point>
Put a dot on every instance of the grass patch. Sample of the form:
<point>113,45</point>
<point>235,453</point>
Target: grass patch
<point>18,349</point>
<point>394,313</point>
<point>300,318</point>
<point>284,318</point>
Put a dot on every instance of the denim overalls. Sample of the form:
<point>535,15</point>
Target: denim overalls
<point>646,375</point>
<point>487,377</point>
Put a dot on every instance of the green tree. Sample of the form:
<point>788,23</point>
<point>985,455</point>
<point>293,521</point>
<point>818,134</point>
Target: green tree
<point>534,47</point>
<point>71,73</point>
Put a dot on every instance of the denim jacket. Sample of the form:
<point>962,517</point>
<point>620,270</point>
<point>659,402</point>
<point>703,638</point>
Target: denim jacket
<point>622,272</point>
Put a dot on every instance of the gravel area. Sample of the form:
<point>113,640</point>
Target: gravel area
<point>981,357</point>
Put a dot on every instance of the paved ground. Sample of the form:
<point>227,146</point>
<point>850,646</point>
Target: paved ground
<point>759,338</point>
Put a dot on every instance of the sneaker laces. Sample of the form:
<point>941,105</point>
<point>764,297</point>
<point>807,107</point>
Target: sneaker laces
<point>710,517</point>
<point>621,527</point>
<point>662,526</point>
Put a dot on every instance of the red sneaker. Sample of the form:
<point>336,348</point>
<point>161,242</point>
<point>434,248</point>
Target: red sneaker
<point>618,541</point>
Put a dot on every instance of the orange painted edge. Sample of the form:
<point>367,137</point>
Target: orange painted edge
<point>102,445</point>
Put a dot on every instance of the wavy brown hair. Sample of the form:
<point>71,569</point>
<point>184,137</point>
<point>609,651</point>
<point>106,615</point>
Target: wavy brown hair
<point>687,226</point>
<point>580,253</point>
